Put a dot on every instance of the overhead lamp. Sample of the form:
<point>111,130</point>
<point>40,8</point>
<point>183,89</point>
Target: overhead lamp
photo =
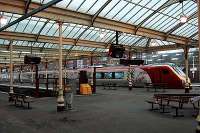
<point>101,33</point>
<point>107,50</point>
<point>3,20</point>
<point>183,17</point>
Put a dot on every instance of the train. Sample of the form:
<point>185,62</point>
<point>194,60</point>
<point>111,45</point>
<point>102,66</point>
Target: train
<point>169,73</point>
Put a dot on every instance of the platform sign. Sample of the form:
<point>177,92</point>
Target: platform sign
<point>79,63</point>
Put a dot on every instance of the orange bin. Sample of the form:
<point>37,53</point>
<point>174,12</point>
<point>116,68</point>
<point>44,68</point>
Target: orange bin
<point>85,89</point>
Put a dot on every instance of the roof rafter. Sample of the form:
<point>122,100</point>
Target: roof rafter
<point>163,48</point>
<point>48,39</point>
<point>54,40</point>
<point>55,13</point>
<point>47,51</point>
<point>193,35</point>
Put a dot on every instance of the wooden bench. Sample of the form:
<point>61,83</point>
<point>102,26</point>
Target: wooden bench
<point>20,98</point>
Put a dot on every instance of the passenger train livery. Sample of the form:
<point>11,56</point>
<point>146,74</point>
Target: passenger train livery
<point>170,74</point>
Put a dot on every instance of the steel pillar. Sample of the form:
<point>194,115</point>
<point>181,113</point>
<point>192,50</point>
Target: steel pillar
<point>32,74</point>
<point>186,49</point>
<point>198,16</point>
<point>37,83</point>
<point>92,72</point>
<point>94,81</point>
<point>0,73</point>
<point>11,68</point>
<point>47,78</point>
<point>60,99</point>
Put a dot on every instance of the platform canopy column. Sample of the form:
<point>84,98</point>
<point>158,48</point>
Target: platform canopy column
<point>11,67</point>
<point>198,16</point>
<point>0,73</point>
<point>186,49</point>
<point>60,99</point>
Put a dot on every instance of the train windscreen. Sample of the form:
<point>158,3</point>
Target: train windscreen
<point>177,69</point>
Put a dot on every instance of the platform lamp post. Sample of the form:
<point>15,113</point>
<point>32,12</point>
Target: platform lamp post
<point>198,16</point>
<point>46,76</point>
<point>11,67</point>
<point>60,99</point>
<point>92,72</point>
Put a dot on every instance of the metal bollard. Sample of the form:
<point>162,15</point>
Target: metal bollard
<point>130,85</point>
<point>198,121</point>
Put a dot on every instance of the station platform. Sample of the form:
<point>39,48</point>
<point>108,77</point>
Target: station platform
<point>28,90</point>
<point>108,111</point>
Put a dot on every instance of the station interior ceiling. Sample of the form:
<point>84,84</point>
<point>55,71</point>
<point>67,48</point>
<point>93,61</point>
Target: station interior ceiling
<point>89,27</point>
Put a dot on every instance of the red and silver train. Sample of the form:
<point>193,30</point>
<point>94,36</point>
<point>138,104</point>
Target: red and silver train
<point>169,74</point>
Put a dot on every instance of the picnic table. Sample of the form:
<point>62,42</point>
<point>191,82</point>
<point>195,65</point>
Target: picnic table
<point>174,100</point>
<point>20,98</point>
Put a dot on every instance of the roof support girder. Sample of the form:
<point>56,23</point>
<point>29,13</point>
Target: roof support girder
<point>193,35</point>
<point>163,48</point>
<point>48,51</point>
<point>48,39</point>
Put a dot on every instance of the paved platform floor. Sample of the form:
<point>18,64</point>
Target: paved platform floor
<point>109,111</point>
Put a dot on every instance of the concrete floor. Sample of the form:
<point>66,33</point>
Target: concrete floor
<point>109,111</point>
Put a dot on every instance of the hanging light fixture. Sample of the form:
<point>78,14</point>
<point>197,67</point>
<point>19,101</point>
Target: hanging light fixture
<point>3,20</point>
<point>183,17</point>
<point>101,33</point>
<point>107,50</point>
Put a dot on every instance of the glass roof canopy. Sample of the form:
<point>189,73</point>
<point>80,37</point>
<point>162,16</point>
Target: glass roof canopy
<point>127,11</point>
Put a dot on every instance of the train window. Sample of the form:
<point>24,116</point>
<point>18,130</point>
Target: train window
<point>165,71</point>
<point>108,75</point>
<point>119,75</point>
<point>98,75</point>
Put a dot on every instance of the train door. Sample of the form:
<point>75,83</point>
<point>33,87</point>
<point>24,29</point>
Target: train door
<point>158,75</point>
<point>165,75</point>
<point>154,73</point>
